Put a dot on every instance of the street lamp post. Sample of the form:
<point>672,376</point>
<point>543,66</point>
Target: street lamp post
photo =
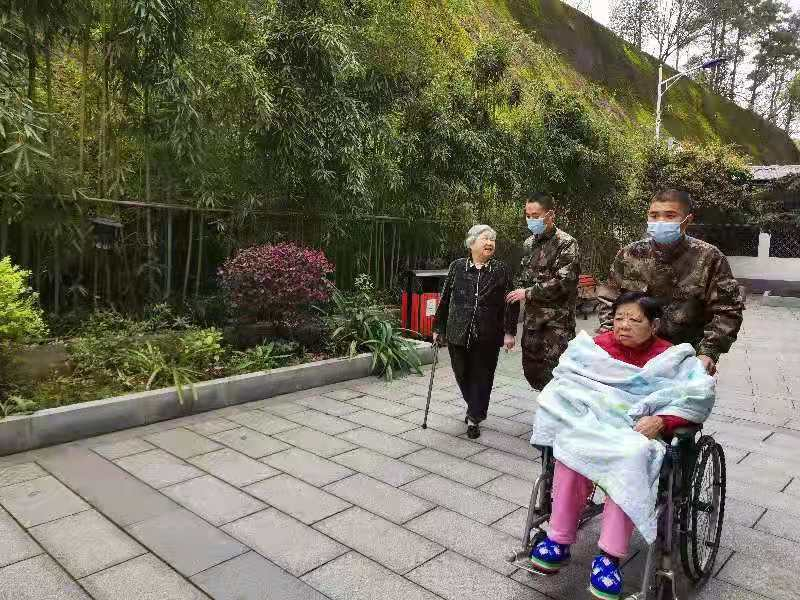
<point>665,84</point>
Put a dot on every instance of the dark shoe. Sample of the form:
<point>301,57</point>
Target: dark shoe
<point>473,431</point>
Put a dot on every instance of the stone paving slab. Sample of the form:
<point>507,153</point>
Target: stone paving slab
<point>354,577</point>
<point>770,578</point>
<point>330,406</point>
<point>460,498</point>
<point>263,422</point>
<point>454,577</point>
<point>115,493</point>
<point>314,441</point>
<point>507,443</point>
<point>20,473</point>
<point>511,464</point>
<point>510,488</point>
<point>304,502</point>
<point>212,426</point>
<point>381,405</point>
<point>381,422</point>
<point>392,546</point>
<point>182,442</point>
<point>322,422</point>
<point>15,544</point>
<point>158,468</point>
<point>442,423</point>
<point>38,578</point>
<point>143,578</point>
<point>780,525</point>
<point>454,468</point>
<point>249,442</point>
<point>343,395</point>
<point>436,407</point>
<point>380,467</point>
<point>476,541</point>
<point>285,541</point>
<point>252,577</point>
<point>233,467</point>
<point>309,467</point>
<point>86,543</point>
<point>742,513</point>
<point>187,542</point>
<point>391,503</point>
<point>443,442</point>
<point>117,450</point>
<point>215,501</point>
<point>40,500</point>
<point>380,442</point>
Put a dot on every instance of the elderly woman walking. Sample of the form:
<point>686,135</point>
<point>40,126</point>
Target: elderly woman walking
<point>475,321</point>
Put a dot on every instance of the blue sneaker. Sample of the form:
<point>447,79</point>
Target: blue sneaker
<point>548,556</point>
<point>605,581</point>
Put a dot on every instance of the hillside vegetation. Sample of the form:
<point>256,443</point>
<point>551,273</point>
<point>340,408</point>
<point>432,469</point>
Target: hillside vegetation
<point>592,53</point>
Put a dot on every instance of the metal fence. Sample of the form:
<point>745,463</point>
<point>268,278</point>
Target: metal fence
<point>784,242</point>
<point>153,252</point>
<point>733,240</point>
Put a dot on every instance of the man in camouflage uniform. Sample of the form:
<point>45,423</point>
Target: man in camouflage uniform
<point>702,301</point>
<point>548,282</point>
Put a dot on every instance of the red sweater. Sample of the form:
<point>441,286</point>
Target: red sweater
<point>639,357</point>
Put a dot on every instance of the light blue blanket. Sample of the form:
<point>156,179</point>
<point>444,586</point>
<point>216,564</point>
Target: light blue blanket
<point>588,411</point>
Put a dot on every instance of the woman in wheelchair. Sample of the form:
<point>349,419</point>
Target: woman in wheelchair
<point>603,418</point>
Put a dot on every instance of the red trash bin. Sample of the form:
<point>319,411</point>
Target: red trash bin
<point>421,299</point>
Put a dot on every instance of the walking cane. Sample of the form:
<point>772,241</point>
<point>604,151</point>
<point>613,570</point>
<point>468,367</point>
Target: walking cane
<point>430,385</point>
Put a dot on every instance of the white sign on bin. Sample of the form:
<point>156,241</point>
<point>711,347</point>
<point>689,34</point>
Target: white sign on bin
<point>430,307</point>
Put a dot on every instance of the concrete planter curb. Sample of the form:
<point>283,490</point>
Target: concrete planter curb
<point>68,423</point>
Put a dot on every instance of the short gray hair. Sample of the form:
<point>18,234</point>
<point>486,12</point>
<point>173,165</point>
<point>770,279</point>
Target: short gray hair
<point>477,231</point>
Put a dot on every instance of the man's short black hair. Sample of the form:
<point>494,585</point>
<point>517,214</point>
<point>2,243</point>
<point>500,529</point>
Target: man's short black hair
<point>649,305</point>
<point>545,200</point>
<point>673,195</point>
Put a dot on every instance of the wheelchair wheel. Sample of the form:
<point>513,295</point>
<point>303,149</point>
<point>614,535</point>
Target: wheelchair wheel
<point>703,511</point>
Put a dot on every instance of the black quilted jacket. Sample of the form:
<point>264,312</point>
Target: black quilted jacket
<point>473,306</point>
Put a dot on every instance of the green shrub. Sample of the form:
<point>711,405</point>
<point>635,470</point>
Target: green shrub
<point>261,358</point>
<point>359,325</point>
<point>20,315</point>
<point>176,360</point>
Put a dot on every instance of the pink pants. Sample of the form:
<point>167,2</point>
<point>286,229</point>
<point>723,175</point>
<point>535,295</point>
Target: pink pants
<point>570,493</point>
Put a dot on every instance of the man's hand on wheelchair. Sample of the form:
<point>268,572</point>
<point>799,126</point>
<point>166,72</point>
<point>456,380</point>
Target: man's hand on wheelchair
<point>649,427</point>
<point>709,364</point>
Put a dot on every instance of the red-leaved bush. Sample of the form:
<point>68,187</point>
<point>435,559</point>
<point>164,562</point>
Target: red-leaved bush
<point>270,282</point>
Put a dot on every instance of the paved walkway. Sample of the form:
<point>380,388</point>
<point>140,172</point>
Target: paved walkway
<point>338,493</point>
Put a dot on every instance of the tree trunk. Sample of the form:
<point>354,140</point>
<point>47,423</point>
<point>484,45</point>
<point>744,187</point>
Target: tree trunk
<point>48,65</point>
<point>57,274</point>
<point>3,235</point>
<point>25,251</point>
<point>95,291</point>
<point>188,256</point>
<point>168,282</point>
<point>736,58</point>
<point>84,79</point>
<point>199,268</point>
<point>151,261</point>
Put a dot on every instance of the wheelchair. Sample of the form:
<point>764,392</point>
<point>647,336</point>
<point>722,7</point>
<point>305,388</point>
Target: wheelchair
<point>690,509</point>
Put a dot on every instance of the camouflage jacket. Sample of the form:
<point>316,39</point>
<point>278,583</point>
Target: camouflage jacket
<point>702,302</point>
<point>472,307</point>
<point>549,273</point>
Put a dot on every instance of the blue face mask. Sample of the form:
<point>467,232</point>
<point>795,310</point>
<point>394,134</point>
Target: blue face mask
<point>536,226</point>
<point>664,233</point>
